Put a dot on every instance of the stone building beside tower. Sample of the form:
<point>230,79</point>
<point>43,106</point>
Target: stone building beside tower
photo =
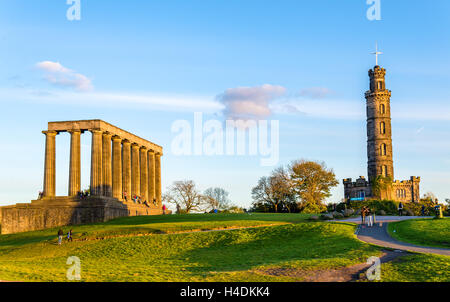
<point>380,163</point>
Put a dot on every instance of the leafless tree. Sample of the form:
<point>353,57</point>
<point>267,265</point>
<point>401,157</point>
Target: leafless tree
<point>186,196</point>
<point>217,198</point>
<point>275,191</point>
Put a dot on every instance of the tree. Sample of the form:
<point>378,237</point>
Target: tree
<point>274,191</point>
<point>312,182</point>
<point>185,195</point>
<point>217,198</point>
<point>429,196</point>
<point>283,189</point>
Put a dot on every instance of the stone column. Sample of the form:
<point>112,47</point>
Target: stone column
<point>50,163</point>
<point>117,167</point>
<point>158,178</point>
<point>106,163</point>
<point>135,173</point>
<point>75,163</point>
<point>151,176</point>
<point>96,163</point>
<point>144,174</point>
<point>126,168</point>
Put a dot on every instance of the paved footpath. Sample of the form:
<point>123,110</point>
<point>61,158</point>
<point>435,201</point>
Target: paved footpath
<point>379,235</point>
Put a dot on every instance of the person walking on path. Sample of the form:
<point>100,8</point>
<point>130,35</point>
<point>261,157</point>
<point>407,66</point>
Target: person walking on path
<point>363,215</point>
<point>60,235</point>
<point>69,236</point>
<point>422,211</point>
<point>369,218</point>
<point>164,209</point>
<point>400,209</point>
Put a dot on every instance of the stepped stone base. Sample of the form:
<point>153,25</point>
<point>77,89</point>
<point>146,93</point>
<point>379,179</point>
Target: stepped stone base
<point>62,211</point>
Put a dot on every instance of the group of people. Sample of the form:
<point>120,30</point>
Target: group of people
<point>135,198</point>
<point>61,234</point>
<point>83,194</point>
<point>367,215</point>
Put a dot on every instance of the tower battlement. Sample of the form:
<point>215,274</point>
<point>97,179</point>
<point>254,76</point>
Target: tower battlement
<point>377,72</point>
<point>412,180</point>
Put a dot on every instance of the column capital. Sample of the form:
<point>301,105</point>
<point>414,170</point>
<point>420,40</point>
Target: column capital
<point>126,142</point>
<point>50,133</point>
<point>107,134</point>
<point>151,151</point>
<point>96,131</point>
<point>143,148</point>
<point>116,138</point>
<point>72,131</point>
<point>134,145</point>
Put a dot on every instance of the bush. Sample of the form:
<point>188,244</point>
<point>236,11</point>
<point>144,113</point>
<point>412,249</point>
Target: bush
<point>313,208</point>
<point>388,206</point>
<point>341,207</point>
<point>381,212</point>
<point>416,208</point>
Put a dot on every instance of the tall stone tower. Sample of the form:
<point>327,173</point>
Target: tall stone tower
<point>379,136</point>
<point>379,148</point>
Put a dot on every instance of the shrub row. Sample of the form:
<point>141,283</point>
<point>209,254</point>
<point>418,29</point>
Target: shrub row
<point>390,207</point>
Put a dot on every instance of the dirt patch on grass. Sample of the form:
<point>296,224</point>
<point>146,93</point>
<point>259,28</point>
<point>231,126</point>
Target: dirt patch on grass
<point>346,274</point>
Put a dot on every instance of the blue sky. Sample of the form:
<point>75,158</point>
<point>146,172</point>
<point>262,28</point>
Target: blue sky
<point>147,64</point>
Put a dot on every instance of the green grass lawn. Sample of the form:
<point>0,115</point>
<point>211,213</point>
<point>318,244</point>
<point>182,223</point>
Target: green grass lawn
<point>426,232</point>
<point>116,251</point>
<point>164,224</point>
<point>417,268</point>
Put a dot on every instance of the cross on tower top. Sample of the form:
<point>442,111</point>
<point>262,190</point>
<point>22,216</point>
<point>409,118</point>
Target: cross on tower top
<point>376,53</point>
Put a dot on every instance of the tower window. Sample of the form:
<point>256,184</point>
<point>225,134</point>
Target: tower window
<point>382,128</point>
<point>383,149</point>
<point>380,85</point>
<point>382,109</point>
<point>384,171</point>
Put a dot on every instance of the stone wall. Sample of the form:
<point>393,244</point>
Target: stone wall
<point>63,211</point>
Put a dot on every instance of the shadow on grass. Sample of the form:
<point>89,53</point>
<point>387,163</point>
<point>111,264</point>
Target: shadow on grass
<point>140,225</point>
<point>247,249</point>
<point>206,217</point>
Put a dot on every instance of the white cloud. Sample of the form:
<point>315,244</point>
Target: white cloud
<point>163,102</point>
<point>59,75</point>
<point>250,102</point>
